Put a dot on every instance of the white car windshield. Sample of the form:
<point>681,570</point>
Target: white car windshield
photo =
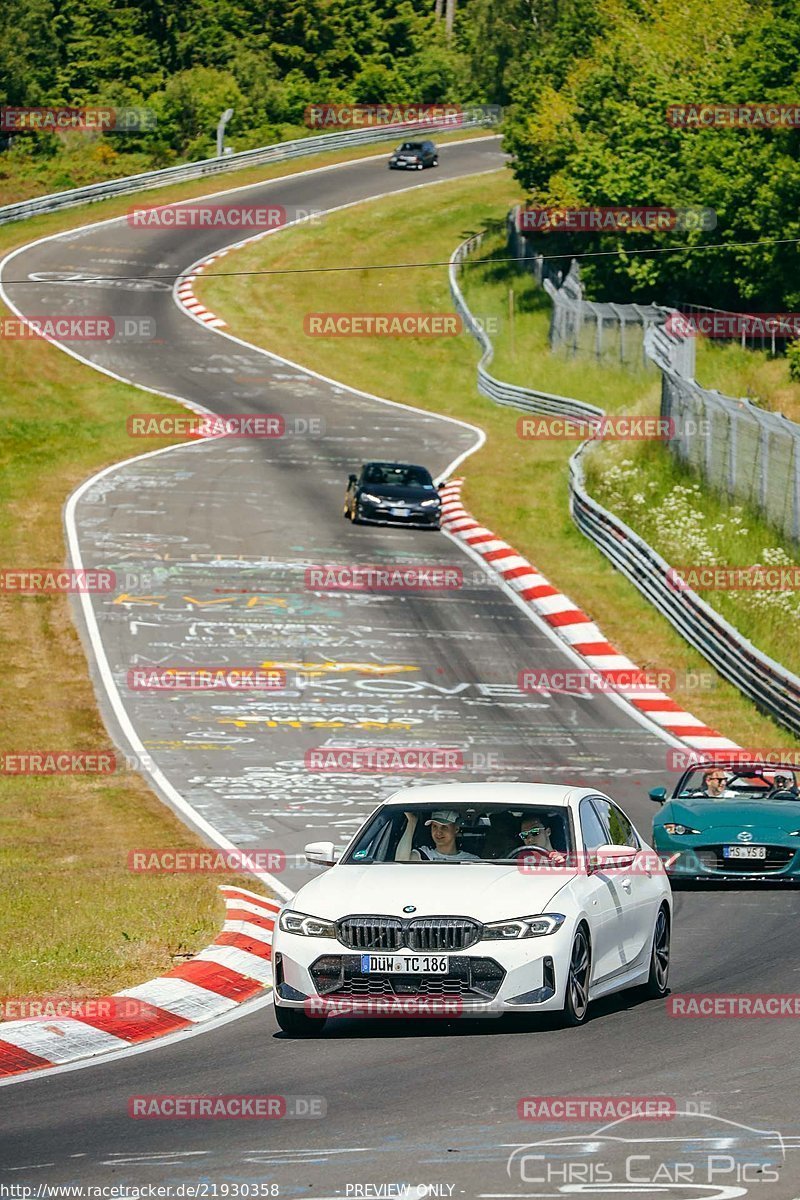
<point>490,834</point>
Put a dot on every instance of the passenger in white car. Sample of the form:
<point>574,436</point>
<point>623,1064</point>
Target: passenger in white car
<point>444,825</point>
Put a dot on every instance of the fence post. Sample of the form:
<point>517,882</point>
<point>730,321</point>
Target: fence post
<point>733,430</point>
<point>763,464</point>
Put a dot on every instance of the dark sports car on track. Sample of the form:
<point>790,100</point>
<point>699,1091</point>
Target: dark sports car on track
<point>392,493</point>
<point>730,822</point>
<point>413,156</point>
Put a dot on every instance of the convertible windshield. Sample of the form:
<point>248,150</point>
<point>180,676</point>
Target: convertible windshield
<point>723,782</point>
<point>490,835</point>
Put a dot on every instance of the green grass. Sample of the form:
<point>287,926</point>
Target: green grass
<point>518,488</point>
<point>521,344</point>
<point>750,373</point>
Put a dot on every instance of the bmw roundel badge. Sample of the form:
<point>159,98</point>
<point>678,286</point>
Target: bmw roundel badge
<point>410,908</point>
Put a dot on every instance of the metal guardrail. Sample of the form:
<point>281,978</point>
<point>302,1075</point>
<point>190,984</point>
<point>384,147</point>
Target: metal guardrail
<point>509,394</point>
<point>771,686</point>
<point>279,152</point>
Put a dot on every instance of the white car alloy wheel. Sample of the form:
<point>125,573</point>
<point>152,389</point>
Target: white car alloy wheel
<point>576,997</point>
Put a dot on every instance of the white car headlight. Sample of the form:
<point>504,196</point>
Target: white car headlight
<point>297,922</point>
<point>523,927</point>
<point>372,499</point>
<point>430,503</point>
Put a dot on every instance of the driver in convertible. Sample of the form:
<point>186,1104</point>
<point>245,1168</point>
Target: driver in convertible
<point>444,826</point>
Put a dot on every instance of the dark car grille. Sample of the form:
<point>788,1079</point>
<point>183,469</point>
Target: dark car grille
<point>371,933</point>
<point>469,978</point>
<point>777,858</point>
<point>425,934</point>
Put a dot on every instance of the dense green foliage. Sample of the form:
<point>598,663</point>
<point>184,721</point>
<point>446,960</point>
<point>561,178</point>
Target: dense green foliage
<point>589,127</point>
<point>190,61</point>
<point>586,85</point>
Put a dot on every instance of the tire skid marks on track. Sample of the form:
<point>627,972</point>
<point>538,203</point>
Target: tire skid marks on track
<point>570,623</point>
<point>236,967</point>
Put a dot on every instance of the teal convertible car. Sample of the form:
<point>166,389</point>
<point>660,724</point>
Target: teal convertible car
<point>730,822</point>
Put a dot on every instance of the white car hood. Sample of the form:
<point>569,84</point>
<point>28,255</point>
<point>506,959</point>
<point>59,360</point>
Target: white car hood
<point>487,893</point>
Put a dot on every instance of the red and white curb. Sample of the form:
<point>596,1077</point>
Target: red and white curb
<point>186,297</point>
<point>572,625</point>
<point>236,967</point>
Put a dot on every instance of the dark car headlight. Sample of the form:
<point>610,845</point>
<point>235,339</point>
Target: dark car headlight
<point>523,927</point>
<point>430,503</point>
<point>678,830</point>
<point>370,499</point>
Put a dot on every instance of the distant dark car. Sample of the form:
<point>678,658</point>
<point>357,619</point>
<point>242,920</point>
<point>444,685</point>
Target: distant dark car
<point>413,156</point>
<point>391,493</point>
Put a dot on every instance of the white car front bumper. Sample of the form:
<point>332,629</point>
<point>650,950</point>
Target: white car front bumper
<point>323,977</point>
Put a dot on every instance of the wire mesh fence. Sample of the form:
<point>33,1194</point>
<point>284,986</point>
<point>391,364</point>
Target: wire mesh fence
<point>739,449</point>
<point>604,331</point>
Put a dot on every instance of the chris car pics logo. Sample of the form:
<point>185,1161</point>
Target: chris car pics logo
<point>718,1158</point>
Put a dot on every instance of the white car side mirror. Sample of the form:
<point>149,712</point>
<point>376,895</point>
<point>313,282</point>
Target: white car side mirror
<point>322,854</point>
<point>605,858</point>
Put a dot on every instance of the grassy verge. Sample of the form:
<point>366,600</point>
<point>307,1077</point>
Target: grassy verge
<point>517,487</point>
<point>750,373</point>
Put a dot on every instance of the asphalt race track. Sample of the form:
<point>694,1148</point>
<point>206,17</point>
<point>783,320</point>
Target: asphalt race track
<point>211,543</point>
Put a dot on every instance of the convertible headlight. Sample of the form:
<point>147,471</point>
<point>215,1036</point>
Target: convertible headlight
<point>523,927</point>
<point>678,830</point>
<point>372,499</point>
<point>297,922</point>
<point>430,503</point>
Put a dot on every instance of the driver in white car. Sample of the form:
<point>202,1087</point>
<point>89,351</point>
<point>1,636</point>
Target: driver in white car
<point>444,825</point>
<point>533,832</point>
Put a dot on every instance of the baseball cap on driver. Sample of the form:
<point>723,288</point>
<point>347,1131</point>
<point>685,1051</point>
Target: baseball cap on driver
<point>445,816</point>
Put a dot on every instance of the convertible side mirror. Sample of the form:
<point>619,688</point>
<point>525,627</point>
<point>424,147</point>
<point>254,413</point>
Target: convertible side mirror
<point>658,794</point>
<point>441,485</point>
<point>322,854</point>
<point>351,479</point>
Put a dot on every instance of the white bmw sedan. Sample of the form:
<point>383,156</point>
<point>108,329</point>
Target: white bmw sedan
<point>475,899</point>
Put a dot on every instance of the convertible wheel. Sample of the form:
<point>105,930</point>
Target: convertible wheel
<point>658,981</point>
<point>354,517</point>
<point>295,1021</point>
<point>435,162</point>
<point>576,997</point>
